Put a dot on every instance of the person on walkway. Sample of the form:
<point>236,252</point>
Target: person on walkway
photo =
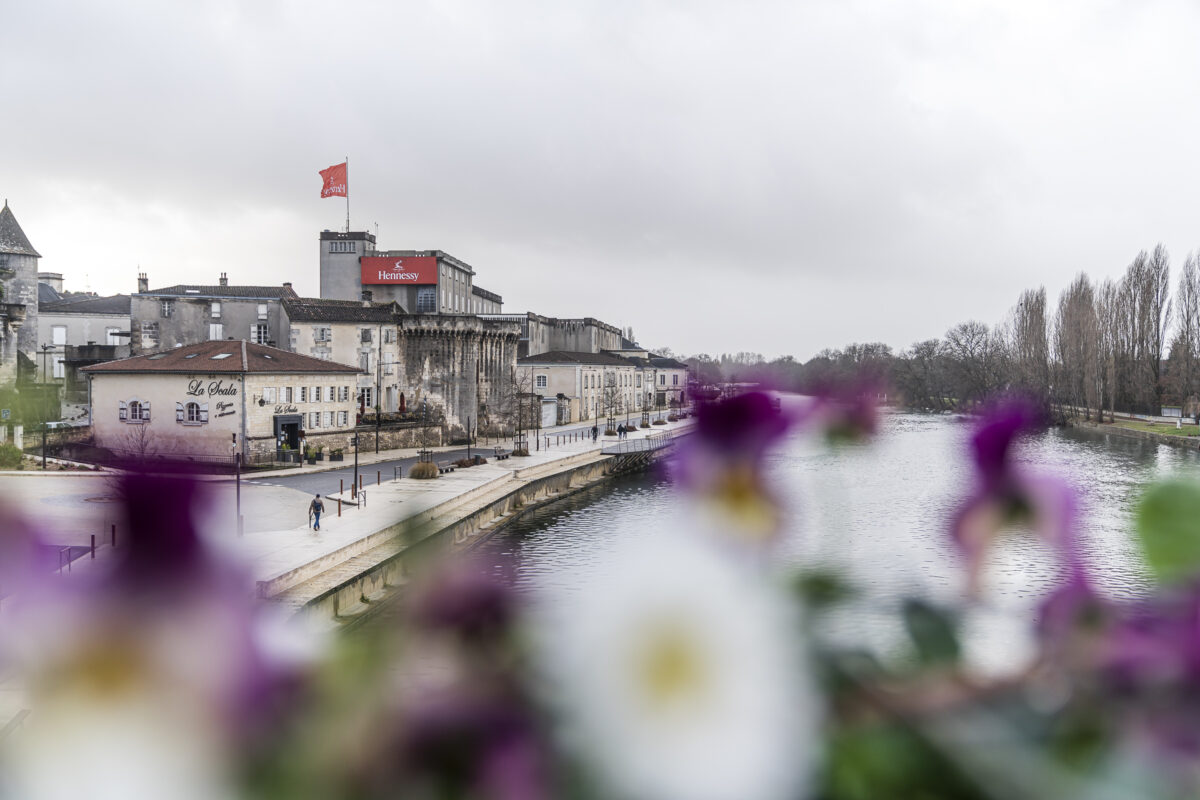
<point>595,433</point>
<point>620,431</point>
<point>314,510</point>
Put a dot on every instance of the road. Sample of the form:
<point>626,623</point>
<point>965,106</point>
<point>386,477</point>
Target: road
<point>330,481</point>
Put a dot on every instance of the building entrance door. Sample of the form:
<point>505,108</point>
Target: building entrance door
<point>287,430</point>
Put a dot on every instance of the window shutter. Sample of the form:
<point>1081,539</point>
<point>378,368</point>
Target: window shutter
<point>179,412</point>
<point>204,412</point>
<point>122,411</point>
<point>146,411</point>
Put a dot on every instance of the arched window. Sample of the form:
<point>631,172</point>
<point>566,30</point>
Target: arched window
<point>193,412</point>
<point>135,411</point>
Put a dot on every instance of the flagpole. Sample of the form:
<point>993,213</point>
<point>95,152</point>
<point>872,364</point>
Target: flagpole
<point>347,194</point>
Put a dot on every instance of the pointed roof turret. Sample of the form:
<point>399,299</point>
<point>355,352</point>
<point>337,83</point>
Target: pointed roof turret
<point>12,238</point>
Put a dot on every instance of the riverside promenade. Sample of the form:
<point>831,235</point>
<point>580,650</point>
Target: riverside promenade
<point>293,565</point>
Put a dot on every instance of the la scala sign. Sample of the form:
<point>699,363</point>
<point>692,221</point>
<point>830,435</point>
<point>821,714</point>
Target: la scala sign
<point>406,270</point>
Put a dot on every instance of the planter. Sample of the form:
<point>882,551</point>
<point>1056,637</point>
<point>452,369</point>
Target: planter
<point>320,456</point>
<point>336,457</point>
<point>289,456</point>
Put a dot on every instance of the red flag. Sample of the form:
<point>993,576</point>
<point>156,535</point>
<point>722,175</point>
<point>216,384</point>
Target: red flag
<point>334,181</point>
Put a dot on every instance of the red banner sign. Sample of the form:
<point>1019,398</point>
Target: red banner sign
<point>411,270</point>
<point>333,181</point>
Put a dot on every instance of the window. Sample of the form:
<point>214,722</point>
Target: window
<point>662,380</point>
<point>303,394</point>
<point>426,299</point>
<point>344,394</point>
<point>323,334</point>
<point>332,396</point>
<point>216,331</point>
<point>111,337</point>
<point>134,411</point>
<point>639,380</point>
<point>366,335</point>
<point>389,335</point>
<point>368,394</point>
<point>166,307</point>
<point>59,334</point>
<point>57,367</point>
<point>314,419</point>
<point>262,310</point>
<point>215,313</point>
<point>674,380</point>
<point>269,394</point>
<point>149,333</point>
<point>541,381</point>
<point>287,394</point>
<point>343,419</point>
<point>258,333</point>
<point>341,247</point>
<point>191,413</point>
<point>364,362</point>
<point>328,419</point>
<point>316,394</point>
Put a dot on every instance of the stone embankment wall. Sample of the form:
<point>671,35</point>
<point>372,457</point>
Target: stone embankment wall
<point>347,591</point>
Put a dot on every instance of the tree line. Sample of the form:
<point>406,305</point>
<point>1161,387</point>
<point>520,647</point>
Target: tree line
<point>1127,344</point>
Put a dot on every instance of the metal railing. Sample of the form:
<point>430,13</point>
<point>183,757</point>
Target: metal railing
<point>655,441</point>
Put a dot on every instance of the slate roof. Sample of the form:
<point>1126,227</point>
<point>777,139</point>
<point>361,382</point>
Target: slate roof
<point>187,290</point>
<point>564,357</point>
<point>116,304</point>
<point>239,356</point>
<point>316,309</point>
<point>12,238</point>
<point>47,294</point>
<point>666,363</point>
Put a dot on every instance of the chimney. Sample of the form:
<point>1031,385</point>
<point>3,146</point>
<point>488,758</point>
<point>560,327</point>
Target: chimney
<point>143,282</point>
<point>224,279</point>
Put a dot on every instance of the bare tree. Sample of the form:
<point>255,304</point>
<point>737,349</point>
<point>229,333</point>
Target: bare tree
<point>1030,347</point>
<point>1186,342</point>
<point>611,399</point>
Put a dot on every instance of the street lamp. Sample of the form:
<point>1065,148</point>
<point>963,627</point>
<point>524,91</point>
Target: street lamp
<point>237,471</point>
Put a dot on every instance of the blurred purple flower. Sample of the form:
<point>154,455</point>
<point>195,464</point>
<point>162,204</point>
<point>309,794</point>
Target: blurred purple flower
<point>721,465</point>
<point>847,411</point>
<point>465,596</point>
<point>1007,496</point>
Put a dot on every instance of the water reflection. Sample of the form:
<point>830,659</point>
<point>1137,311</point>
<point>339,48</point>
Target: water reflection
<point>877,513</point>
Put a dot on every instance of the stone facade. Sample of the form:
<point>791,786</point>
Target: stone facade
<point>18,295</point>
<point>182,315</point>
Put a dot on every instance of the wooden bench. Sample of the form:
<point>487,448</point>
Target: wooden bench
<point>502,454</point>
<point>446,466</point>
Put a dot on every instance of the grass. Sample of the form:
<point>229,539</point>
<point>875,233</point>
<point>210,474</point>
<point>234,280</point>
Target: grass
<point>1165,428</point>
<point>423,470</point>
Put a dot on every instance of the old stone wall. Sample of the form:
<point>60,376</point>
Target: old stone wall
<point>456,363</point>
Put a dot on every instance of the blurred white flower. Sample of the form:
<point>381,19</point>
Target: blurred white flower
<point>678,677</point>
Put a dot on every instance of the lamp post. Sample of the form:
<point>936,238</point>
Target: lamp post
<point>354,442</point>
<point>237,471</point>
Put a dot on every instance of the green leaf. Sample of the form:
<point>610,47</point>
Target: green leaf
<point>1168,526</point>
<point>932,632</point>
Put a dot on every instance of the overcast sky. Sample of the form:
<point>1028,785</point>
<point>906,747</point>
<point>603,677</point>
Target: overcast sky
<point>778,177</point>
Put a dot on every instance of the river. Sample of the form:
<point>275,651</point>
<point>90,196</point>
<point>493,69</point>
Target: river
<point>876,513</point>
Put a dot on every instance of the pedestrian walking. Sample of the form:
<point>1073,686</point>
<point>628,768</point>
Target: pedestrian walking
<point>315,508</point>
<point>620,432</point>
<point>595,433</point>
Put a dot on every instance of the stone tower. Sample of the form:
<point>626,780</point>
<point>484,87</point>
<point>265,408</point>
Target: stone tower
<point>18,305</point>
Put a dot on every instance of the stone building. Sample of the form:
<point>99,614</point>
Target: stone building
<point>180,315</point>
<point>541,334</point>
<point>79,330</point>
<point>18,296</point>
<point>189,402</point>
<point>418,281</point>
<point>582,386</point>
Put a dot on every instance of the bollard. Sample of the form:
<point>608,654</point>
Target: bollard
<point>93,545</point>
<point>341,485</point>
<point>360,477</point>
<point>114,535</point>
<point>339,506</point>
<point>378,480</point>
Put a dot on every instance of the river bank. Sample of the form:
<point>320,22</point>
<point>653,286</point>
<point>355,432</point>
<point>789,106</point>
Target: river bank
<point>1118,429</point>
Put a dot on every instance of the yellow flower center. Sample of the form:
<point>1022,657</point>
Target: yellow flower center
<point>671,669</point>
